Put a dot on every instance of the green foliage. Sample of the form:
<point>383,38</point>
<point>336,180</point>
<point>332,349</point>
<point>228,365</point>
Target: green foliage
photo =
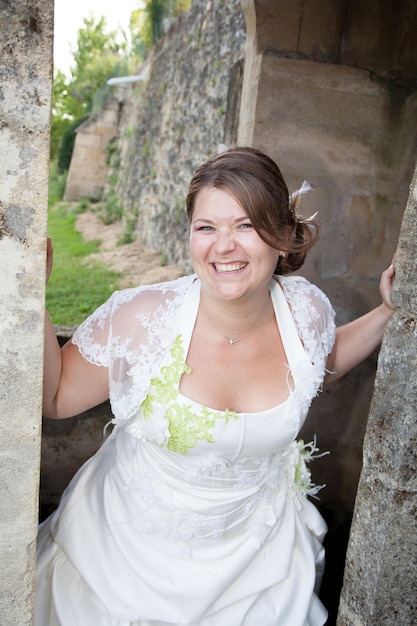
<point>180,6</point>
<point>147,24</point>
<point>96,56</point>
<point>75,288</point>
<point>180,211</point>
<point>129,132</point>
<point>129,229</point>
<point>83,205</point>
<point>111,150</point>
<point>61,119</point>
<point>111,210</point>
<point>155,12</point>
<point>57,183</point>
<point>146,150</point>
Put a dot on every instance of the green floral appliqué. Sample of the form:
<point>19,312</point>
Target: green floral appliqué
<point>185,426</point>
<point>306,452</point>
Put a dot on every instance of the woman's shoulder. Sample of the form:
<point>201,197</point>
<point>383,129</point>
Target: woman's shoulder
<point>298,288</point>
<point>151,296</point>
<point>294,281</point>
<point>126,305</point>
<point>313,314</point>
<point>130,316</point>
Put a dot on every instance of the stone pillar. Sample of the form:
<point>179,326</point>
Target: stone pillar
<point>380,574</point>
<point>327,98</point>
<point>26,33</point>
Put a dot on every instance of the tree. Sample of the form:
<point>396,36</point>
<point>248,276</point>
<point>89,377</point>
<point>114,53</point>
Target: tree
<point>150,23</point>
<point>97,55</point>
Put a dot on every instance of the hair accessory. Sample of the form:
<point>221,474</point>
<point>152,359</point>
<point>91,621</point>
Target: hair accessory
<point>305,188</point>
<point>221,148</point>
<point>295,199</point>
<point>311,218</point>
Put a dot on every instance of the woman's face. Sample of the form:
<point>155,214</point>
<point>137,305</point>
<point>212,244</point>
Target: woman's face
<point>228,255</point>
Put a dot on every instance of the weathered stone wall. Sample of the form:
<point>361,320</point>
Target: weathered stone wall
<point>380,578</point>
<point>66,445</point>
<point>25,104</point>
<point>176,118</point>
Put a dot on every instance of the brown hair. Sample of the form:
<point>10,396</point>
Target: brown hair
<point>255,181</point>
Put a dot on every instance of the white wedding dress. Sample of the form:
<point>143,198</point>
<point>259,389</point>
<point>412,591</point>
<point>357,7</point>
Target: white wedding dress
<point>189,515</point>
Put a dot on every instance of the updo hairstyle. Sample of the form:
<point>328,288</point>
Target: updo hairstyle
<point>255,181</point>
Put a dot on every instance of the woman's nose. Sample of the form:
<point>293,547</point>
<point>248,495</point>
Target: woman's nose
<point>225,241</point>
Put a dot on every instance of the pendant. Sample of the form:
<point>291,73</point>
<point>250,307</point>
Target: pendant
<point>232,341</point>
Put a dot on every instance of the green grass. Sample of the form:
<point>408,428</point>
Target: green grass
<point>75,288</point>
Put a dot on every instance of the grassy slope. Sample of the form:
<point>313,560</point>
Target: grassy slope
<point>75,288</point>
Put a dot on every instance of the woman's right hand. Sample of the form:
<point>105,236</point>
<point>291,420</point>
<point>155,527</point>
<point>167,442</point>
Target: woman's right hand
<point>49,258</point>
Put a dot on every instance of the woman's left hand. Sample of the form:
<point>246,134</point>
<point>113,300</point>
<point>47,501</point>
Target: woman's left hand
<point>385,286</point>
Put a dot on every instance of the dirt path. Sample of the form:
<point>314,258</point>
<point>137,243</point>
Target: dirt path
<point>138,264</point>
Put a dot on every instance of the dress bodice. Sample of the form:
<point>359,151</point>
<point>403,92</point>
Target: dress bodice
<point>185,426</point>
<point>244,435</point>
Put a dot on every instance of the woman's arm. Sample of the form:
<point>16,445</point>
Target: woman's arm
<point>71,384</point>
<point>358,339</point>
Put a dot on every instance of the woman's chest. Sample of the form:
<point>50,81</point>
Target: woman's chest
<point>241,378</point>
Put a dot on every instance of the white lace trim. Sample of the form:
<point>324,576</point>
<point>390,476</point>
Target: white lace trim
<point>313,316</point>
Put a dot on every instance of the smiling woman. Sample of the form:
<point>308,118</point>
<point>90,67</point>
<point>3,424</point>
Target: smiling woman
<point>195,511</point>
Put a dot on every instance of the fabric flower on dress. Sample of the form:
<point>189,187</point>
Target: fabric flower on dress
<point>156,428</point>
<point>309,378</point>
<point>298,474</point>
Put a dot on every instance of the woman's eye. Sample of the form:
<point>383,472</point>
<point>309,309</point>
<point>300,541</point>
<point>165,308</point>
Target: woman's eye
<point>245,226</point>
<point>205,228</point>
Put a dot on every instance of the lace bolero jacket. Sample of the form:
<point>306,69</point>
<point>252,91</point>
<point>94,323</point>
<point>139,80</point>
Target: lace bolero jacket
<point>131,333</point>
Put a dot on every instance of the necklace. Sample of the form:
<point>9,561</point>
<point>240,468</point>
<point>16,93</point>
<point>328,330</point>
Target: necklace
<point>232,341</point>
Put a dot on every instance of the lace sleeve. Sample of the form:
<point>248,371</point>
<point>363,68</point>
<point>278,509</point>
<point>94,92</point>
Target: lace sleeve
<point>314,317</point>
<point>92,336</point>
<point>129,334</point>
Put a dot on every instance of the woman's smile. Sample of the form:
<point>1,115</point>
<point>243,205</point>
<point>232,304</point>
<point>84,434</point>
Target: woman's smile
<point>229,267</point>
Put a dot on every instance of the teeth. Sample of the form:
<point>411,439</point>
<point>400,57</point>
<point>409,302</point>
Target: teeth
<point>229,267</point>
